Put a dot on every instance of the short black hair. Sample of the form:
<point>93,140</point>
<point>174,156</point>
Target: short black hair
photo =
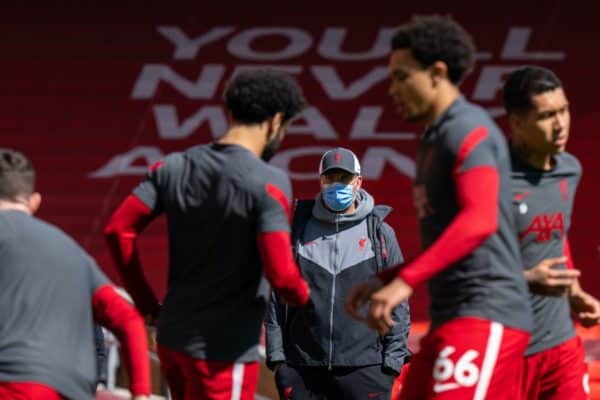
<point>524,83</point>
<point>17,176</point>
<point>438,38</point>
<point>254,96</point>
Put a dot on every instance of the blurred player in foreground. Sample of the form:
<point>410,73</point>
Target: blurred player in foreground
<point>51,292</point>
<point>480,313</point>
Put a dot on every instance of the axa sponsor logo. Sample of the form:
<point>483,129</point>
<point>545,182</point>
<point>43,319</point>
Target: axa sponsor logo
<point>544,225</point>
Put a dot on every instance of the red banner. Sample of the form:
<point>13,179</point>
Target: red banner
<point>95,95</point>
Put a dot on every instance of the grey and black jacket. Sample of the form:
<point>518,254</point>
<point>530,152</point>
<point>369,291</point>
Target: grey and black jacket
<point>336,252</point>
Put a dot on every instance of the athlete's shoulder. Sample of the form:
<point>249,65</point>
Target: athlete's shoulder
<point>50,233</point>
<point>271,172</point>
<point>465,119</point>
<point>171,163</point>
<point>194,151</point>
<point>567,163</point>
<point>269,178</point>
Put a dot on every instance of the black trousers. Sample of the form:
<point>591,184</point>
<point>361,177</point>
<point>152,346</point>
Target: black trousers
<point>339,383</point>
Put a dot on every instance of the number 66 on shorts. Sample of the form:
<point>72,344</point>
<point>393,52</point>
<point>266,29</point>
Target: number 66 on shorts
<point>467,358</point>
<point>449,376</point>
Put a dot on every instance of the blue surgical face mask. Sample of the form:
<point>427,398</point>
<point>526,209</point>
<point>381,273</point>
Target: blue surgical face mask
<point>338,197</point>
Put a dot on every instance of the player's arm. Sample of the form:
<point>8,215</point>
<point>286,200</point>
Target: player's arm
<point>583,304</point>
<point>477,186</point>
<point>275,246</point>
<point>130,219</point>
<point>117,315</point>
<point>280,269</point>
<point>121,233</point>
<point>543,279</point>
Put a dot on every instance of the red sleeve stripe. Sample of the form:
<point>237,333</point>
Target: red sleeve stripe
<point>477,192</point>
<point>156,165</point>
<point>279,196</point>
<point>469,143</point>
<point>121,233</point>
<point>115,313</point>
<point>28,390</point>
<point>280,269</point>
<point>567,253</point>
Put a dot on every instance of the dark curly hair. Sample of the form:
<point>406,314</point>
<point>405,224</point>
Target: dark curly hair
<point>254,96</point>
<point>17,176</point>
<point>524,83</point>
<point>437,38</point>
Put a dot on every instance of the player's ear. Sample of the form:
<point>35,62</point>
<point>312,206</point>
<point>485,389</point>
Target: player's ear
<point>358,182</point>
<point>34,202</point>
<point>515,121</point>
<point>438,71</point>
<point>275,123</point>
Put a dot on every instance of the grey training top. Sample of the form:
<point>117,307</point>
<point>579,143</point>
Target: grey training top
<point>543,203</point>
<point>489,282</point>
<point>46,287</point>
<point>216,198</point>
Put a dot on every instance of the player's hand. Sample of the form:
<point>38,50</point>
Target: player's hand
<point>586,307</point>
<point>298,296</point>
<point>360,295</point>
<point>383,302</point>
<point>545,280</point>
<point>141,397</point>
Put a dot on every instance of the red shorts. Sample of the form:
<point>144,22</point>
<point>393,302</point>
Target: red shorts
<point>559,373</point>
<point>191,379</point>
<point>399,381</point>
<point>467,358</point>
<point>27,391</point>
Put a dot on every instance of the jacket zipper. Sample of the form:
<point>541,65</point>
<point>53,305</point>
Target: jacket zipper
<point>335,251</point>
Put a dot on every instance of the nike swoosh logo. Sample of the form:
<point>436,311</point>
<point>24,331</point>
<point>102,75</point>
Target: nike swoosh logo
<point>521,196</point>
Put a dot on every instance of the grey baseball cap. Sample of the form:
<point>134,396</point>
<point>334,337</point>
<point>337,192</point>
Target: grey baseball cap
<point>339,158</point>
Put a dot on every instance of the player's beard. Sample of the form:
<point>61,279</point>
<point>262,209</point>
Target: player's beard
<point>271,147</point>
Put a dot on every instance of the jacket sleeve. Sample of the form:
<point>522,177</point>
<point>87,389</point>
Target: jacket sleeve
<point>274,321</point>
<point>100,354</point>
<point>395,343</point>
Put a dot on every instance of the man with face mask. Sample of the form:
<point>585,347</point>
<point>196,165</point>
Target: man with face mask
<point>339,239</point>
<point>228,215</point>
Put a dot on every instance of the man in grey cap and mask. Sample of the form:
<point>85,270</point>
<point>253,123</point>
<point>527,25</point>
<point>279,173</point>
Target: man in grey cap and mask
<point>339,239</point>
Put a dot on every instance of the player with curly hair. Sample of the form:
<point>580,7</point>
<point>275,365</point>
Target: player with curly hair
<point>480,313</point>
<point>228,215</point>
